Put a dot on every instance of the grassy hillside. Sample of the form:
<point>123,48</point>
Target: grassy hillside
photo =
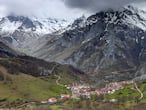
<point>21,81</point>
<point>21,88</point>
<point>129,93</point>
<point>25,79</point>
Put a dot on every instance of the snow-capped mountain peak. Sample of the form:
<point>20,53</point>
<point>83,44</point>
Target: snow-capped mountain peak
<point>128,15</point>
<point>12,23</point>
<point>20,31</point>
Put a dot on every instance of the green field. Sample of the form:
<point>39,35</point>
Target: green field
<point>127,100</point>
<point>25,88</point>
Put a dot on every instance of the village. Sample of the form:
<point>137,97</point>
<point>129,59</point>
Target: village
<point>84,90</point>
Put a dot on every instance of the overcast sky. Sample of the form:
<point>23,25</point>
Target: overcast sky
<point>68,9</point>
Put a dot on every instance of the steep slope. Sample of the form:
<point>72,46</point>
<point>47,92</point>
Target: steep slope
<point>16,62</point>
<point>5,51</point>
<point>109,44</point>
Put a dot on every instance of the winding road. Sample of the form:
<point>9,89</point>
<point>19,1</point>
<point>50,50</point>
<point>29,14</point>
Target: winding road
<point>57,81</point>
<point>58,77</point>
<point>141,94</point>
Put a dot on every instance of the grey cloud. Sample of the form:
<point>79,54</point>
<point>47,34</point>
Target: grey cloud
<point>96,5</point>
<point>59,8</point>
<point>40,8</point>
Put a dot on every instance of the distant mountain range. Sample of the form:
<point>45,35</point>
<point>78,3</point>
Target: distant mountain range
<point>110,45</point>
<point>20,31</point>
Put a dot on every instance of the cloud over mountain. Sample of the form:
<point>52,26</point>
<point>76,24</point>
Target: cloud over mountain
<point>59,8</point>
<point>41,8</point>
<point>96,5</point>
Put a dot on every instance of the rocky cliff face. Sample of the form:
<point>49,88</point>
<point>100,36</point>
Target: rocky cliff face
<point>109,44</point>
<point>7,52</point>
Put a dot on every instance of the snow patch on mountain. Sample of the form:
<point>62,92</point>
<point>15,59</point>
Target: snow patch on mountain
<point>7,26</point>
<point>21,31</point>
<point>137,17</point>
<point>37,25</point>
<point>49,25</point>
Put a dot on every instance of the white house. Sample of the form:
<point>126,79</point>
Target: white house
<point>52,100</point>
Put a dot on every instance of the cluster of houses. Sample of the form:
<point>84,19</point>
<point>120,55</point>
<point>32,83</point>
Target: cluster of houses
<point>84,90</point>
<point>112,87</point>
<point>80,90</point>
<point>53,100</point>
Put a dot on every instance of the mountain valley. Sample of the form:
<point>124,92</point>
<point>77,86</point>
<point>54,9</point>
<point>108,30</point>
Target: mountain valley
<point>47,58</point>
